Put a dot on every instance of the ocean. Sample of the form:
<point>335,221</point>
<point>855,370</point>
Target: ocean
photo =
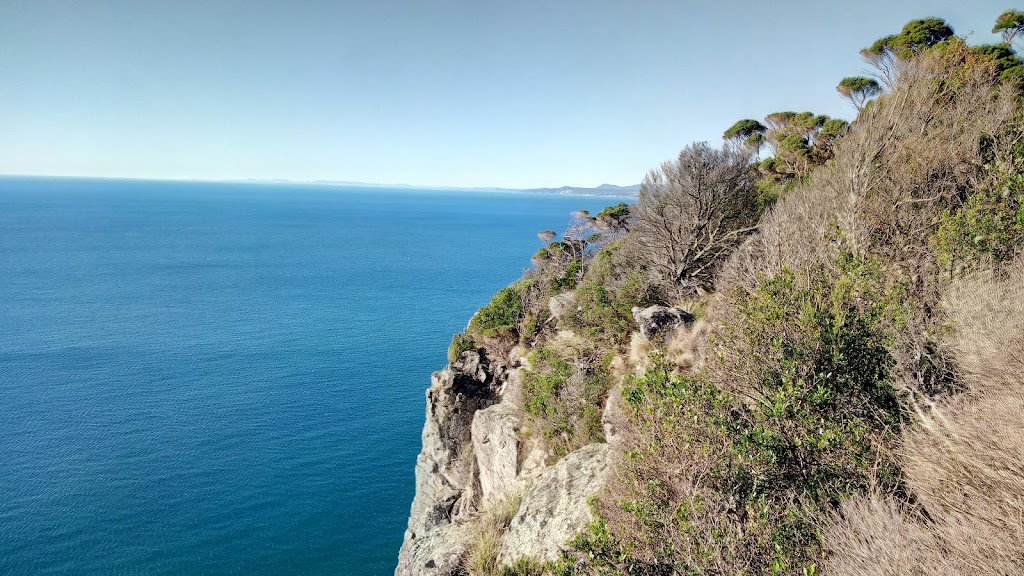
<point>217,378</point>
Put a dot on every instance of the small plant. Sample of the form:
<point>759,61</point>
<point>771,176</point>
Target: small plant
<point>564,398</point>
<point>461,342</point>
<point>482,557</point>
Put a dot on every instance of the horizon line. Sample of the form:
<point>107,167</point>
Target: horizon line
<point>614,190</point>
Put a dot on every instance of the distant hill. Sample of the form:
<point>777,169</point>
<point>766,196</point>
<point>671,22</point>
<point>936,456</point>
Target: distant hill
<point>610,190</point>
<point>602,190</point>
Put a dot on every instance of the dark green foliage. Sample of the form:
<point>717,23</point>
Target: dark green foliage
<point>744,129</point>
<point>807,123</point>
<point>1009,24</point>
<point>796,145</point>
<point>461,342</point>
<point>613,218</point>
<point>880,46</point>
<point>768,193</point>
<point>1008,66</point>
<point>859,89</point>
<point>755,141</point>
<point>502,315</point>
<point>833,130</point>
<point>569,279</point>
<point>1013,77</point>
<point>920,34</point>
<point>604,314</point>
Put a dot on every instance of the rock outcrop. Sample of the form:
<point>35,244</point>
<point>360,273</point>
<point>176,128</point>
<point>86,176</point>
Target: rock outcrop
<point>446,482</point>
<point>658,322</point>
<point>555,508</point>
<point>475,455</point>
<point>562,304</point>
<point>495,433</point>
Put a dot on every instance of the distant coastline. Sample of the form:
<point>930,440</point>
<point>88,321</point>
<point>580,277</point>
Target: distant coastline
<point>604,190</point>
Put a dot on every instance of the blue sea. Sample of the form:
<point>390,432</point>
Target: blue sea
<point>213,378</point>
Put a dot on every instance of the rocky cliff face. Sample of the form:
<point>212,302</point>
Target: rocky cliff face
<point>474,456</point>
<point>447,479</point>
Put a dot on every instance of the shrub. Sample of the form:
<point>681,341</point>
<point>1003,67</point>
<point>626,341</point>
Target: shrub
<point>964,458</point>
<point>568,280</point>
<point>704,196</point>
<point>990,223</point>
<point>727,469</point>
<point>564,398</point>
<point>461,342</point>
<point>502,315</point>
<point>604,314</point>
<point>481,558</point>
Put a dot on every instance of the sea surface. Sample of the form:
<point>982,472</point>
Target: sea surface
<point>212,378</point>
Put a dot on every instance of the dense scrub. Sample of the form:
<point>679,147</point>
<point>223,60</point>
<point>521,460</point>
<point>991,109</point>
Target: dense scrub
<point>855,405</point>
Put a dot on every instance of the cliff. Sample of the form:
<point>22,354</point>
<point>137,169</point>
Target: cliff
<point>811,363</point>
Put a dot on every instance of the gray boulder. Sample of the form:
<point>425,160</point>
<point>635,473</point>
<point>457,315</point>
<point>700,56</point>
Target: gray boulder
<point>496,448</point>
<point>561,304</point>
<point>555,508</point>
<point>658,322</point>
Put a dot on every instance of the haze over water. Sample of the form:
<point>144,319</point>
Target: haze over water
<point>204,378</point>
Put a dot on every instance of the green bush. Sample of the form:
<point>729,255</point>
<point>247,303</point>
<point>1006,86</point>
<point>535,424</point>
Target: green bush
<point>502,315</point>
<point>565,397</point>
<point>767,193</point>
<point>461,342</point>
<point>569,279</point>
<point>727,476</point>
<point>990,222</point>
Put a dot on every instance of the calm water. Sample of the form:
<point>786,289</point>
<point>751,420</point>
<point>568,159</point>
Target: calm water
<point>228,378</point>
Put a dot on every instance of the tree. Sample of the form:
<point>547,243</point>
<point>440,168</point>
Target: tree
<point>858,90</point>
<point>743,129</point>
<point>918,35</point>
<point>748,133</point>
<point>613,219</point>
<point>886,53</point>
<point>691,213</point>
<point>882,58</point>
<point>546,236</point>
<point>1009,24</point>
<point>831,131</point>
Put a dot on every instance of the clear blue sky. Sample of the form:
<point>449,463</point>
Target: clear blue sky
<point>461,93</point>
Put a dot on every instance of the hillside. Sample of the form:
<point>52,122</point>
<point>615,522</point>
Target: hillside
<point>801,352</point>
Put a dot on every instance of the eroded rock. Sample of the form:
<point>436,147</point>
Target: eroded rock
<point>658,322</point>
<point>495,433</point>
<point>555,508</point>
<point>446,482</point>
<point>436,553</point>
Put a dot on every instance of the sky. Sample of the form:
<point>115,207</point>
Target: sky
<point>470,93</point>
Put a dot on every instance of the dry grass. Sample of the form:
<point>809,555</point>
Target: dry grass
<point>482,557</point>
<point>964,460</point>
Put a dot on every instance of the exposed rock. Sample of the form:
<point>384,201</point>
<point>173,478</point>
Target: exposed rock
<point>555,508</point>
<point>446,483</point>
<point>612,417</point>
<point>438,552</point>
<point>496,447</point>
<point>657,322</point>
<point>561,304</point>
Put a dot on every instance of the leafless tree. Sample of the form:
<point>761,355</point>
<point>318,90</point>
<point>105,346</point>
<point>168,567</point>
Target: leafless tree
<point>691,213</point>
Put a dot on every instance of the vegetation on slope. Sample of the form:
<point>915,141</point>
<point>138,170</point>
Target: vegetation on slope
<point>855,404</point>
